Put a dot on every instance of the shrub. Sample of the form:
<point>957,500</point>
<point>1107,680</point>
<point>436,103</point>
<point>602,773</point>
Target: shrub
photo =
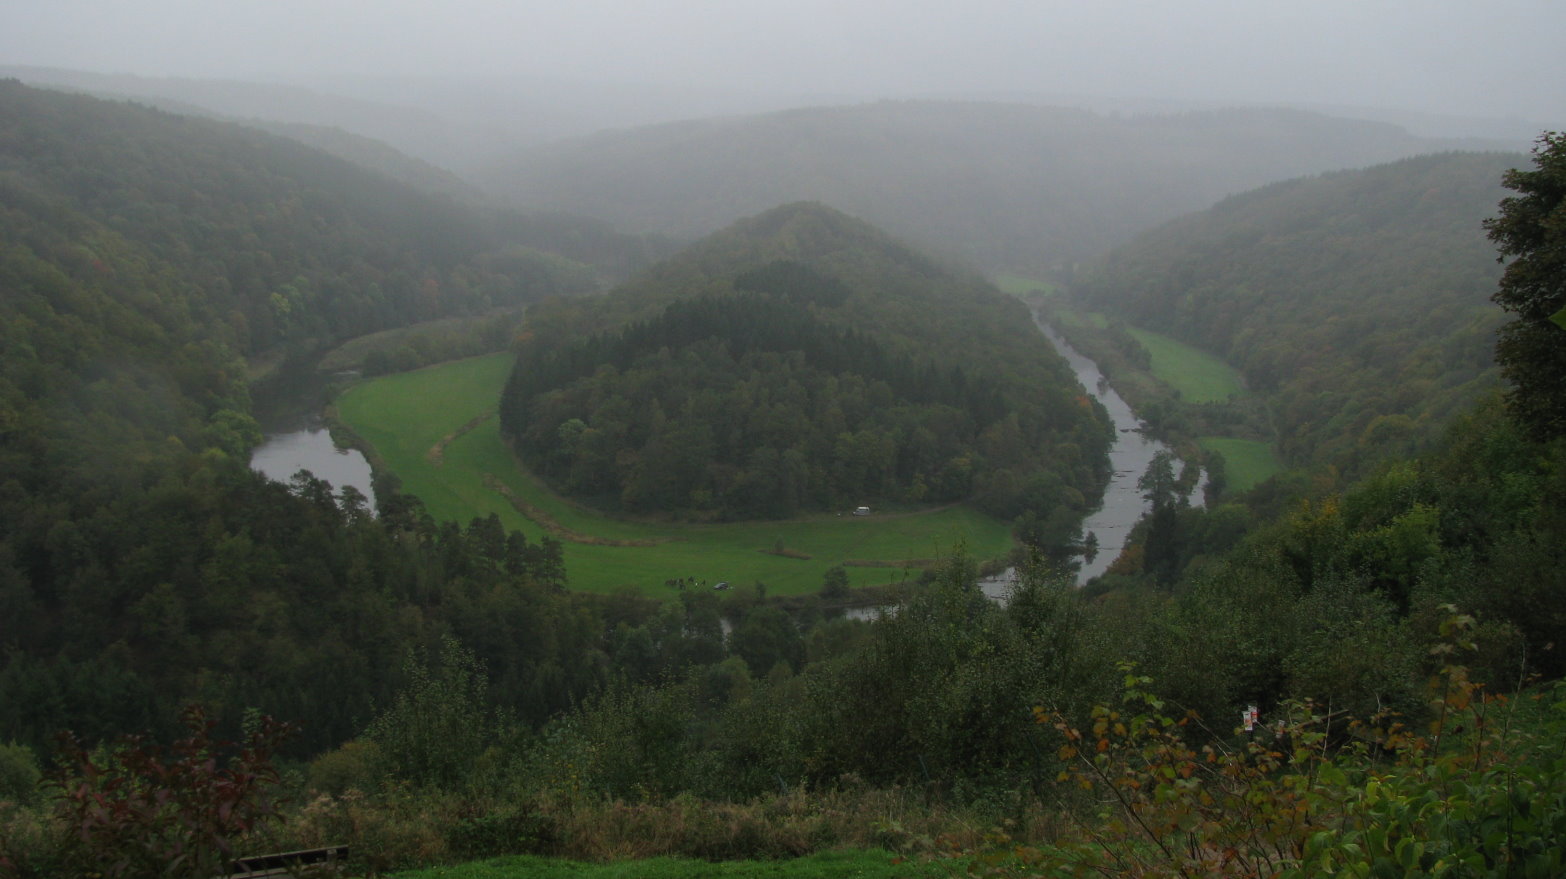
<point>141,810</point>
<point>502,830</point>
<point>436,730</point>
<point>355,765</point>
<point>29,846</point>
<point>1483,794</point>
<point>19,773</point>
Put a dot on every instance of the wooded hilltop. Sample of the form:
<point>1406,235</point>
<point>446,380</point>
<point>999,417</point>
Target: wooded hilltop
<point>801,360</point>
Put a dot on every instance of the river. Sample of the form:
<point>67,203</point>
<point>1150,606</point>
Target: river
<point>1129,458</point>
<point>309,446</point>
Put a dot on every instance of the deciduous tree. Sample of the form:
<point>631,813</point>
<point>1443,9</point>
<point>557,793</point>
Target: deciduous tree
<point>1531,231</point>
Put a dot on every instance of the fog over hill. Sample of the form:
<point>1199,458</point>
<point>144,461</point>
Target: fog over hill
<point>416,131</point>
<point>1012,186</point>
<point>457,123</point>
<point>1015,185</point>
<point>462,123</point>
<point>1497,59</point>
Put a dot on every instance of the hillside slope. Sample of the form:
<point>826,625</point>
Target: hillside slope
<point>1358,302</point>
<point>144,256</point>
<point>270,239</point>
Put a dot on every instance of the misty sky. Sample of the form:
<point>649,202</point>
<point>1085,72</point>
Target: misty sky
<point>1473,57</point>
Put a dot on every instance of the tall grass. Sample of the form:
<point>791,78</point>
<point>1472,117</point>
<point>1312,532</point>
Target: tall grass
<point>860,864</point>
<point>401,828</point>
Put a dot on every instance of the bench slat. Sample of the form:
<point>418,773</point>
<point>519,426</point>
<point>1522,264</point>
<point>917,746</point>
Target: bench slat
<point>282,863</point>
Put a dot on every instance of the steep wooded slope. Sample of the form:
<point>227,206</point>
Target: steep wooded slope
<point>270,239</point>
<point>1358,301</point>
<point>1010,185</point>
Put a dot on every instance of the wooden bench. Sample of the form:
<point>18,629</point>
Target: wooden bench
<point>287,863</point>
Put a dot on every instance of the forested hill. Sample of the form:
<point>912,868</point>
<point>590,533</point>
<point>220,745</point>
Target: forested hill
<point>373,154</point>
<point>335,127</point>
<point>273,239</point>
<point>143,257</point>
<point>802,360</point>
<point>1359,302</point>
<point>1012,186</point>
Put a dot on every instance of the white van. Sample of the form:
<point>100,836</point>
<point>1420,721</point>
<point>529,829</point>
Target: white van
<point>861,511</point>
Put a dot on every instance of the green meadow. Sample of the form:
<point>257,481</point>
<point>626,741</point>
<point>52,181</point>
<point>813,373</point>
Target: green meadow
<point>1197,375</point>
<point>403,417</point>
<point>858,864</point>
<point>1200,377</point>
<point>1017,285</point>
<point>1246,462</point>
<point>1073,318</point>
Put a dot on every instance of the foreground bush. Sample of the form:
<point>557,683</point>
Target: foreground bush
<point>1481,793</point>
<point>138,810</point>
<point>398,828</point>
<point>19,773</point>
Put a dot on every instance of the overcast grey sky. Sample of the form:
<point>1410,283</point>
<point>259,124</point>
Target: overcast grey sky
<point>1471,57</point>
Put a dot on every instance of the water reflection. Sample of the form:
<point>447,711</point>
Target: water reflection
<point>311,448</point>
<point>1123,503</point>
<point>1129,458</point>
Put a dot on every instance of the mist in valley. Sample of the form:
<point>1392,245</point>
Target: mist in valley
<point>463,83</point>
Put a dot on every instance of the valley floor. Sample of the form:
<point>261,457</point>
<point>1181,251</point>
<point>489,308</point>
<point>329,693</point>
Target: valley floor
<point>428,427</point>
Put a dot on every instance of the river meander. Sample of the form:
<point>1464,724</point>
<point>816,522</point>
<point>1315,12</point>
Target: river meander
<point>1129,458</point>
<point>308,446</point>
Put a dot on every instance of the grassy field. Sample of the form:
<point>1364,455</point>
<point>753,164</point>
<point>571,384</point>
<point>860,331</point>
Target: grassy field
<point>1246,462</point>
<point>858,864</point>
<point>403,417</point>
<point>1073,318</point>
<point>1198,376</point>
<point>1016,285</point>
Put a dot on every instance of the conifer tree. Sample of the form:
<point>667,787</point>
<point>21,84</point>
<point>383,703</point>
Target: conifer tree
<point>1531,230</point>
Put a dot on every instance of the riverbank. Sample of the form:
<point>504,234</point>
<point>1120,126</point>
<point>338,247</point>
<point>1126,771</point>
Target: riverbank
<point>1188,398</point>
<point>398,422</point>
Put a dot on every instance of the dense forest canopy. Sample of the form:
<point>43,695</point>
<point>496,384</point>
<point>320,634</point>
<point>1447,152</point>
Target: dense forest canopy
<point>270,240</point>
<point>1356,302</point>
<point>143,257</point>
<point>799,361</point>
<point>1011,186</point>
